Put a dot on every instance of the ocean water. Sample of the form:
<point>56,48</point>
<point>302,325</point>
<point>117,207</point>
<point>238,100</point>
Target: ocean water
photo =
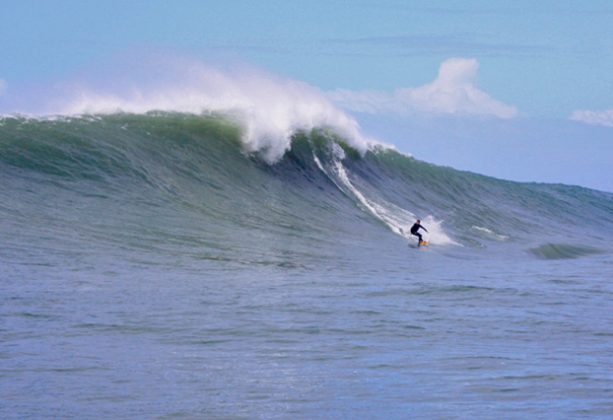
<point>152,266</point>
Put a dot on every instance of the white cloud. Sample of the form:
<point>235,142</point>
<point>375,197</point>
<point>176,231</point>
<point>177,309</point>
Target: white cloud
<point>594,117</point>
<point>453,92</point>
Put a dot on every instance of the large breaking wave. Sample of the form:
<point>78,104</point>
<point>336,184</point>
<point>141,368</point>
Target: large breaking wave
<point>158,179</point>
<point>268,107</point>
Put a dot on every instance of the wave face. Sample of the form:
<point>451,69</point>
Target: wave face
<point>170,183</point>
<point>562,251</point>
<point>160,264</point>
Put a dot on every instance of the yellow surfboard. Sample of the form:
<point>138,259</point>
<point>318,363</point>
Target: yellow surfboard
<point>424,243</point>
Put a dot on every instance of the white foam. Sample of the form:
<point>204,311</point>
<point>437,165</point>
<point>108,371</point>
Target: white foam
<point>490,233</point>
<point>396,218</point>
<point>270,108</point>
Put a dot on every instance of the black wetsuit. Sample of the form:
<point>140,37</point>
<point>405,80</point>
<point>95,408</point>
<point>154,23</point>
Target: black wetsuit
<point>415,231</point>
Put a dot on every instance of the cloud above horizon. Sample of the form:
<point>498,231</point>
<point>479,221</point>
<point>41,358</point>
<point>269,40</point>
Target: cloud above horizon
<point>453,92</point>
<point>604,118</point>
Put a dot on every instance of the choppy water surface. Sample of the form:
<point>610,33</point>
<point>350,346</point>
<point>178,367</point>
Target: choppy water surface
<point>149,268</point>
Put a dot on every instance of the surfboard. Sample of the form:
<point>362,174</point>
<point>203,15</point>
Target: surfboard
<point>422,243</point>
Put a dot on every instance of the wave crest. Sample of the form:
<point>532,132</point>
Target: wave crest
<point>563,251</point>
<point>270,109</point>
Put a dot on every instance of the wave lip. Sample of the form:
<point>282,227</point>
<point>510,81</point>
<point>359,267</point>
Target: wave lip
<point>270,109</point>
<point>563,251</point>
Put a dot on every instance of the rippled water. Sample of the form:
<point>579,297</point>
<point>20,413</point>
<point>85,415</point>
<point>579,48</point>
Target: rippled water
<point>418,334</point>
<point>151,268</point>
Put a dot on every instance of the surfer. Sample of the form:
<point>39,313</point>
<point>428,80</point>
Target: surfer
<point>415,231</point>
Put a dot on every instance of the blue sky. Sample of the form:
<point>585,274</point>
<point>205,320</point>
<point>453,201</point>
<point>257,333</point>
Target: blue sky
<point>529,97</point>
